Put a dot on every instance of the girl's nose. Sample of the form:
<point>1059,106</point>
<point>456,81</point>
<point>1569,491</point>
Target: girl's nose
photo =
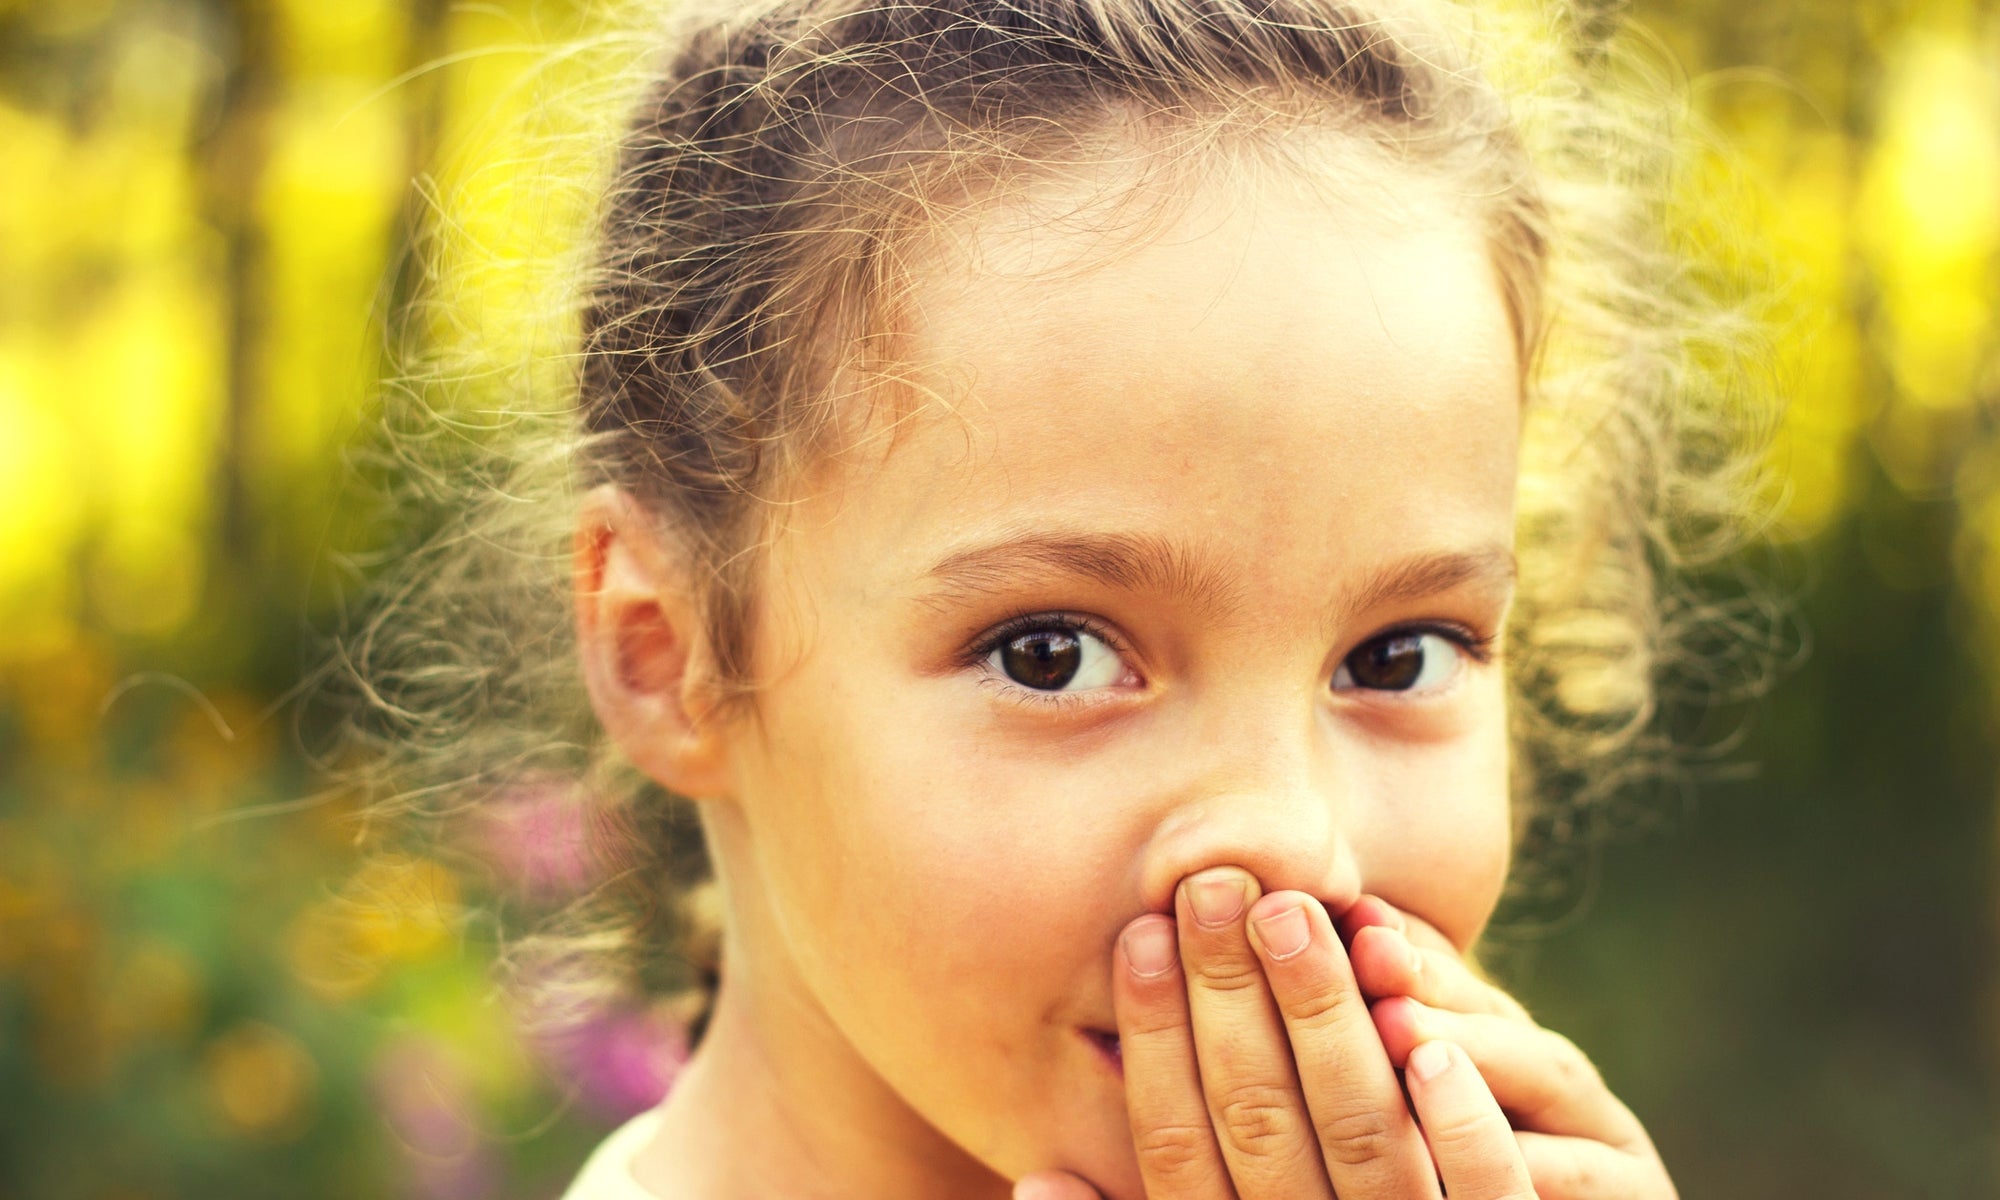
<point>1264,795</point>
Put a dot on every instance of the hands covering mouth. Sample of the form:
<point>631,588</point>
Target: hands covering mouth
<point>1266,1051</point>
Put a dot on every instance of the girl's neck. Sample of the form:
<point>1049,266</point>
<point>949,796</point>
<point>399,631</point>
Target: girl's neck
<point>768,1109</point>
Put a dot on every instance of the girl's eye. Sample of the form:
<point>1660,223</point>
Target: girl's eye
<point>1408,661</point>
<point>1048,654</point>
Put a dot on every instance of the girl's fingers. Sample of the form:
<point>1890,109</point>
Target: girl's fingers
<point>1053,1185</point>
<point>1470,1140</point>
<point>1579,1169</point>
<point>1370,1143</point>
<point>1387,964</point>
<point>1179,1158</point>
<point>1537,1075</point>
<point>1372,910</point>
<point>1389,961</point>
<point>1252,1089</point>
<point>1577,1140</point>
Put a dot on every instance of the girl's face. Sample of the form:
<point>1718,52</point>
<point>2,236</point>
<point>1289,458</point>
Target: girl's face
<point>1187,561</point>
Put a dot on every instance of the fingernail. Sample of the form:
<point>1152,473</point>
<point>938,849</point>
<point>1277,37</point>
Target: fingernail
<point>1035,1189</point>
<point>1149,949</point>
<point>1216,899</point>
<point>1284,934</point>
<point>1430,1060</point>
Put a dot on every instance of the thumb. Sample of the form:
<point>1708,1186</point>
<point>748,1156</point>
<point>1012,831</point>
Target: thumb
<point>1053,1185</point>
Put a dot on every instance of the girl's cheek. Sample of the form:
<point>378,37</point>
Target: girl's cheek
<point>989,839</point>
<point>1437,837</point>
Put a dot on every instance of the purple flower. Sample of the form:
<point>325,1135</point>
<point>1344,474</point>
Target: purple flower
<point>537,835</point>
<point>621,1062</point>
<point>423,1096</point>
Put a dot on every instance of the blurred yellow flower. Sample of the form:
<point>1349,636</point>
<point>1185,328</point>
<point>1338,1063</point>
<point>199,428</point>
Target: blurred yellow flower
<point>1928,217</point>
<point>261,1080</point>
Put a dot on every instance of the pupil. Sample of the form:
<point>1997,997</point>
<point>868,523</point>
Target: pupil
<point>1044,660</point>
<point>1391,665</point>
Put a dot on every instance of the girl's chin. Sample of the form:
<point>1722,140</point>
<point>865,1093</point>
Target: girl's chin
<point>1094,1140</point>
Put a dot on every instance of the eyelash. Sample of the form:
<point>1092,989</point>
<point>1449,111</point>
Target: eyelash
<point>1041,622</point>
<point>1479,648</point>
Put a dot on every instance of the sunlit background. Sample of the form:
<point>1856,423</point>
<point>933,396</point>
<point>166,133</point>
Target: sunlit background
<point>1790,976</point>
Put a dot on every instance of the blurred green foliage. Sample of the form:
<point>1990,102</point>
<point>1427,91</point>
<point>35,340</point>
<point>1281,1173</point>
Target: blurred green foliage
<point>1791,977</point>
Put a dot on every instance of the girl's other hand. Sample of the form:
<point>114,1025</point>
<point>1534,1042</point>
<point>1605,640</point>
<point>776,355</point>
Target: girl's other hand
<point>1254,1071</point>
<point>1578,1140</point>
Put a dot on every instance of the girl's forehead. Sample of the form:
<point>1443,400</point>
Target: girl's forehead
<point>1102,253</point>
<point>1257,375</point>
<point>1068,222</point>
<point>1296,296</point>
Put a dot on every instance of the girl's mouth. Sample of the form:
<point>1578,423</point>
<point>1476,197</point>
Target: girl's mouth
<point>1106,1043</point>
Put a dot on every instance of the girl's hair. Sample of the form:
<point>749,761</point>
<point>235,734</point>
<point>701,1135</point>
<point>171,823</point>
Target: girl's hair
<point>790,158</point>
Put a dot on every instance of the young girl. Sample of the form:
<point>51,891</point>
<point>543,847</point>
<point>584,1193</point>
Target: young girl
<point>1117,514</point>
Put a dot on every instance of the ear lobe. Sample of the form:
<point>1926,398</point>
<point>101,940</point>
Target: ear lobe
<point>645,657</point>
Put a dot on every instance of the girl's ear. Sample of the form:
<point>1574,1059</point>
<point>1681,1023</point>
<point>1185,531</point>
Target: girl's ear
<point>646,658</point>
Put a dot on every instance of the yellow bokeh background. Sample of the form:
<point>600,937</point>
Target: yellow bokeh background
<point>204,208</point>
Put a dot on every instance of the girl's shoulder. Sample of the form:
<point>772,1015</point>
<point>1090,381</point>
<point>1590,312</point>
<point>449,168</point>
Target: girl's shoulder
<point>607,1173</point>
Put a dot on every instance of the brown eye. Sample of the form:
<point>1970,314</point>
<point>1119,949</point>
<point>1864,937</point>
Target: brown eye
<point>1053,654</point>
<point>1401,662</point>
<point>1044,661</point>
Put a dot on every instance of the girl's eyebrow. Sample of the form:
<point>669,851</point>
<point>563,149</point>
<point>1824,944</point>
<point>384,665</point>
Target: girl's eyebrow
<point>1130,561</point>
<point>1137,561</point>
<point>1491,567</point>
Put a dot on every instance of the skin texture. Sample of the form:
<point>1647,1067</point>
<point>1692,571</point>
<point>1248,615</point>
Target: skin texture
<point>927,866</point>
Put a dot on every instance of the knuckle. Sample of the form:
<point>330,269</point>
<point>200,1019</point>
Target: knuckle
<point>1259,1120</point>
<point>1320,1004</point>
<point>1173,1154</point>
<point>1227,973</point>
<point>1575,1067</point>
<point>1573,1070</point>
<point>1468,1138</point>
<point>1575,1178</point>
<point>1153,1019</point>
<point>1164,1025</point>
<point>1357,1139</point>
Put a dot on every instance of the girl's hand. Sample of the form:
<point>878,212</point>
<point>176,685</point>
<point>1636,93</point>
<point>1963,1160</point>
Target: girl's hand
<point>1575,1139</point>
<point>1295,1096</point>
<point>1578,1140</point>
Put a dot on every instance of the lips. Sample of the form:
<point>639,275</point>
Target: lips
<point>1106,1043</point>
